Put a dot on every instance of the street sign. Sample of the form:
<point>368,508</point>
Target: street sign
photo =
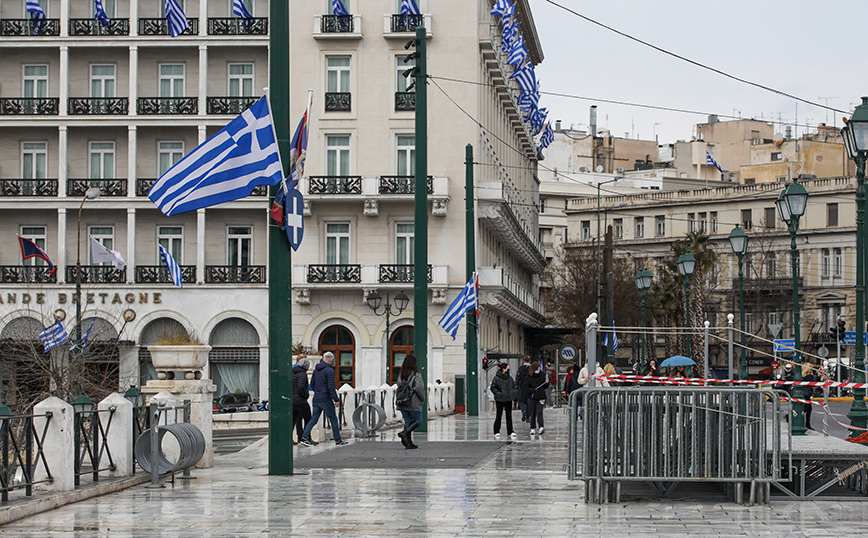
<point>569,353</point>
<point>785,345</point>
<point>775,329</point>
<point>850,338</point>
<point>775,365</point>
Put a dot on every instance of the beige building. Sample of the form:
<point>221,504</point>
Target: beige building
<point>780,160</point>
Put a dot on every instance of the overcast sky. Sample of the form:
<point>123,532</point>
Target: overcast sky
<point>806,48</point>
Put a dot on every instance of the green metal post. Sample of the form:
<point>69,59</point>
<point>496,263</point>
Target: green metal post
<point>470,257</point>
<point>858,414</point>
<point>279,262</point>
<point>797,424</point>
<point>743,368</point>
<point>420,278</point>
<point>687,311</point>
<point>642,356</point>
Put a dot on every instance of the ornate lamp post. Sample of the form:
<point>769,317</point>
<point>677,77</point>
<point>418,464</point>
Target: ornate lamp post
<point>90,194</point>
<point>644,278</point>
<point>791,205</point>
<point>738,241</point>
<point>856,141</point>
<point>599,266</point>
<point>686,264</point>
<point>401,302</point>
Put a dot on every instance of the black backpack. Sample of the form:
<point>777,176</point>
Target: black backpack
<point>404,393</point>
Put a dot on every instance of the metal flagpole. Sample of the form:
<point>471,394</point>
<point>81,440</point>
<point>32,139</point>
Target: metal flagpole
<point>420,234</point>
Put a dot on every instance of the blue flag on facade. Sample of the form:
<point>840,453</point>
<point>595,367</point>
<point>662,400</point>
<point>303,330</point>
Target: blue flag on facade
<point>53,336</point>
<point>338,8</point>
<point>546,139</point>
<point>172,265</point>
<point>100,15</point>
<point>709,161</point>
<point>518,52</point>
<point>35,10</point>
<point>228,166</point>
<point>240,10</point>
<point>525,77</point>
<point>176,18</point>
<point>464,303</point>
<point>30,250</point>
<point>503,9</point>
<point>409,7</point>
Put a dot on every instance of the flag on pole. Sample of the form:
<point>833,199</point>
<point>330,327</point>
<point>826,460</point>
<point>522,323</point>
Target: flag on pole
<point>464,303</point>
<point>53,336</point>
<point>101,254</point>
<point>35,10</point>
<point>709,161</point>
<point>517,52</point>
<point>176,18</point>
<point>226,167</point>
<point>614,339</point>
<point>30,250</point>
<point>409,7</point>
<point>87,332</point>
<point>525,77</point>
<point>240,10</point>
<point>503,9</point>
<point>288,207</point>
<point>101,15</point>
<point>172,265</point>
<point>338,8</point>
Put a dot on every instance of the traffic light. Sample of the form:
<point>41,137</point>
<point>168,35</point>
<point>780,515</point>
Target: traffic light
<point>486,363</point>
<point>842,329</point>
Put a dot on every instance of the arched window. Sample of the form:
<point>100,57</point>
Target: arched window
<point>401,345</point>
<point>339,340</point>
<point>234,357</point>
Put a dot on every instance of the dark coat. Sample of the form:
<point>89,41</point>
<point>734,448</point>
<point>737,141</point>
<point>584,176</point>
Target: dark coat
<point>502,387</point>
<point>300,391</point>
<point>534,386</point>
<point>323,383</point>
<point>573,383</point>
<point>418,388</point>
<point>519,377</point>
<point>808,392</point>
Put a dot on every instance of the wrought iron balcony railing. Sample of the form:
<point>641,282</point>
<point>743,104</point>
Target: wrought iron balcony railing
<point>167,105</point>
<point>114,106</point>
<point>161,27</point>
<point>26,274</point>
<point>402,185</point>
<point>260,190</point>
<point>29,106</point>
<point>338,102</point>
<point>330,274</point>
<point>159,274</point>
<point>401,273</point>
<point>235,274</point>
<point>97,274</point>
<point>407,23</point>
<point>229,105</point>
<point>405,101</point>
<point>107,187</point>
<point>83,27</point>
<point>336,24</point>
<point>28,187</point>
<point>335,185</point>
<point>30,27</point>
<point>237,26</point>
<point>767,284</point>
<point>143,185</point>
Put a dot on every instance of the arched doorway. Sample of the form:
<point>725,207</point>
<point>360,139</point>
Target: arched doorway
<point>339,340</point>
<point>150,334</point>
<point>234,357</point>
<point>24,368</point>
<point>401,345</point>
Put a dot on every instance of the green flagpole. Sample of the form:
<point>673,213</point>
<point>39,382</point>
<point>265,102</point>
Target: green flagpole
<point>420,278</point>
<point>472,352</point>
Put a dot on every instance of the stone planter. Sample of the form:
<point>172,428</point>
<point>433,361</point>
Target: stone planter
<point>191,359</point>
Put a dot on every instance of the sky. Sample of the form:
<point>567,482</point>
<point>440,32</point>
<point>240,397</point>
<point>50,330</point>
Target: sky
<point>805,48</point>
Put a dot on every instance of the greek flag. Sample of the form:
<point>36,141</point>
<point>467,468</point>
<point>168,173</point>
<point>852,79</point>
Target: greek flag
<point>525,77</point>
<point>503,9</point>
<point>537,120</point>
<point>518,52</point>
<point>546,139</point>
<point>172,265</point>
<point>614,339</point>
<point>464,303</point>
<point>528,100</point>
<point>226,167</point>
<point>510,35</point>
<point>240,10</point>
<point>409,7</point>
<point>34,9</point>
<point>101,15</point>
<point>709,161</point>
<point>338,8</point>
<point>176,17</point>
<point>53,336</point>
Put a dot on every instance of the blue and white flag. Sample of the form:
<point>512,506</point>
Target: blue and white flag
<point>525,77</point>
<point>176,18</point>
<point>294,205</point>
<point>226,167</point>
<point>240,10</point>
<point>36,12</point>
<point>528,100</point>
<point>537,120</point>
<point>338,8</point>
<point>709,161</point>
<point>464,303</point>
<point>614,339</point>
<point>503,9</point>
<point>87,332</point>
<point>53,336</point>
<point>546,139</point>
<point>510,35</point>
<point>172,265</point>
<point>409,7</point>
<point>518,52</point>
<point>101,15</point>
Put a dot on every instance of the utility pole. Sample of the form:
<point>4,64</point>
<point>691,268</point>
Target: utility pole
<point>609,320</point>
<point>420,232</point>
<point>470,260</point>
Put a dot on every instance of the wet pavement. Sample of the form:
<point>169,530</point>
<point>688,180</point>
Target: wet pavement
<point>514,489</point>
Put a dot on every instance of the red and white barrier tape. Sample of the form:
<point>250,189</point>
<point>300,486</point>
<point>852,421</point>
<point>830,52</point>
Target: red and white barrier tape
<point>701,380</point>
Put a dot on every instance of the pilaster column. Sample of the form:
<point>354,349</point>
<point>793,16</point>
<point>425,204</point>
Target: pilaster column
<point>61,245</point>
<point>64,21</point>
<point>200,245</point>
<point>62,158</point>
<point>203,133</point>
<point>203,67</point>
<point>134,18</point>
<point>132,147</point>
<point>131,245</point>
<point>64,73</point>
<point>134,76</point>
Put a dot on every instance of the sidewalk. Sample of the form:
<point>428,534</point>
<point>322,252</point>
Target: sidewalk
<point>519,489</point>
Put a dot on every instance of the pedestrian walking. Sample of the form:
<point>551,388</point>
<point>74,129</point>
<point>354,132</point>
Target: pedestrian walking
<point>300,394</point>
<point>503,390</point>
<point>552,379</point>
<point>410,397</point>
<point>566,387</point>
<point>325,399</point>
<point>519,378</point>
<point>534,386</point>
<point>808,392</point>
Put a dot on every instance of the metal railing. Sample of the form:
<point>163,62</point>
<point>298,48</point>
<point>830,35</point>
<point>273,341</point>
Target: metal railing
<point>336,24</point>
<point>30,27</point>
<point>102,274</point>
<point>23,448</point>
<point>406,23</point>
<point>106,186</point>
<point>27,274</point>
<point>229,105</point>
<point>167,105</point>
<point>665,435</point>
<point>161,27</point>
<point>238,26</point>
<point>401,273</point>
<point>328,274</point>
<point>159,274</point>
<point>338,101</point>
<point>28,187</point>
<point>91,443</point>
<point>114,106</point>
<point>402,185</point>
<point>405,101</point>
<point>29,106</point>
<point>82,27</point>
<point>237,274</point>
<point>335,184</point>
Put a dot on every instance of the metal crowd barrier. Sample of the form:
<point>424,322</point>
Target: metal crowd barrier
<point>667,435</point>
<point>91,442</point>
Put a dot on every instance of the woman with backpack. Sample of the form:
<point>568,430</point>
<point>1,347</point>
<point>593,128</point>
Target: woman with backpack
<point>409,399</point>
<point>534,386</point>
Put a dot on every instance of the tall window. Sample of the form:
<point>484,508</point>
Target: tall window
<point>771,265</point>
<point>102,80</point>
<point>714,222</point>
<point>831,214</point>
<point>542,205</point>
<point>703,222</point>
<point>338,74</point>
<point>337,155</point>
<point>240,80</point>
<point>826,261</point>
<point>171,238</point>
<point>586,230</point>
<point>640,226</point>
<point>171,80</point>
<point>169,153</point>
<point>104,235</point>
<point>746,219</point>
<point>405,243</point>
<point>35,81</point>
<point>618,228</point>
<point>769,218</point>
<point>37,235</point>
<point>338,243</point>
<point>660,223</point>
<point>400,68</point>
<point>108,5</point>
<point>34,157</point>
<point>406,155</point>
<point>838,262</point>
<point>239,245</point>
<point>102,160</point>
<point>691,222</point>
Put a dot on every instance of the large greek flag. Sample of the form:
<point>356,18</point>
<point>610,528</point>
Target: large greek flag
<point>409,7</point>
<point>35,10</point>
<point>226,167</point>
<point>464,303</point>
<point>172,266</point>
<point>176,17</point>
<point>240,10</point>
<point>53,336</point>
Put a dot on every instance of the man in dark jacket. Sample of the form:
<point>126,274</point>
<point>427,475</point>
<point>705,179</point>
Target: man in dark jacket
<point>300,393</point>
<point>522,398</point>
<point>325,399</point>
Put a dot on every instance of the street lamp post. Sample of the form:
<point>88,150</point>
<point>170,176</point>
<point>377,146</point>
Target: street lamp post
<point>90,194</point>
<point>792,203</point>
<point>644,278</point>
<point>401,302</point>
<point>738,240</point>
<point>855,136</point>
<point>599,278</point>
<point>686,264</point>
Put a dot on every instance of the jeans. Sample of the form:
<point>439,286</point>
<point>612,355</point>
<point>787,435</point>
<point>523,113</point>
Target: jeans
<point>410,416</point>
<point>329,409</point>
<point>501,407</point>
<point>535,412</point>
<point>300,412</point>
<point>522,404</point>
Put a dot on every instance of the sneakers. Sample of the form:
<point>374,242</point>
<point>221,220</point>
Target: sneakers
<point>513,435</point>
<point>306,442</point>
<point>532,431</point>
<point>341,443</point>
<point>497,436</point>
<point>541,430</point>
